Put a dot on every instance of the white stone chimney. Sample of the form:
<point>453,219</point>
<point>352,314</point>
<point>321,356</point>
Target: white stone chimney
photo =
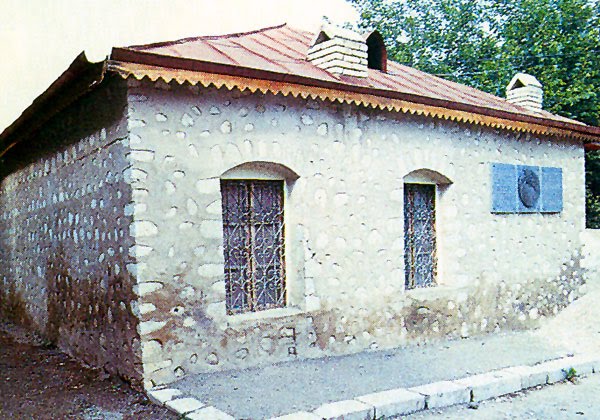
<point>339,51</point>
<point>525,90</point>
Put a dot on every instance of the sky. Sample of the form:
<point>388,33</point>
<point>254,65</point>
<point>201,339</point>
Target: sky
<point>40,38</point>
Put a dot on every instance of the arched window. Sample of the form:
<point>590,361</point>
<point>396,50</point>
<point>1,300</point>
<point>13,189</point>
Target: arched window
<point>426,176</point>
<point>253,201</point>
<point>420,239</point>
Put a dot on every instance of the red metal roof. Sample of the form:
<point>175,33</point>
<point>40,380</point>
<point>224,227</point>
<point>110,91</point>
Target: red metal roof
<point>282,50</point>
<point>274,60</point>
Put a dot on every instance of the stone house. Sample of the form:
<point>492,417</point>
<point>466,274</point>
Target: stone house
<point>224,202</point>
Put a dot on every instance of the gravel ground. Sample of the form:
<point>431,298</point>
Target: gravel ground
<point>42,383</point>
<point>305,385</point>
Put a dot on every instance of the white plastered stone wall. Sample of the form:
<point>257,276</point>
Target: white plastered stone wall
<point>344,228</point>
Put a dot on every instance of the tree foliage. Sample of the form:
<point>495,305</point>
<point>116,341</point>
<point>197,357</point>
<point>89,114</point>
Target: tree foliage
<point>483,43</point>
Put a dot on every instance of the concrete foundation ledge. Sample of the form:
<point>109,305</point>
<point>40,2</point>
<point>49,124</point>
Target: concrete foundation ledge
<point>559,369</point>
<point>491,384</point>
<point>300,415</point>
<point>184,406</point>
<point>584,364</point>
<point>443,394</point>
<point>401,401</point>
<point>345,410</point>
<point>188,408</point>
<point>394,402</point>
<point>161,396</point>
<point>208,413</point>
<point>530,376</point>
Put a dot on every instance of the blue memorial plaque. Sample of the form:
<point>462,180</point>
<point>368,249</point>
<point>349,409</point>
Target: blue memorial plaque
<point>504,188</point>
<point>552,190</point>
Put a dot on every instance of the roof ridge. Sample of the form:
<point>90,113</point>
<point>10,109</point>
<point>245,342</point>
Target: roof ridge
<point>204,37</point>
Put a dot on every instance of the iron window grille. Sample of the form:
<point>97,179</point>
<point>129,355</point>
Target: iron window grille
<point>253,245</point>
<point>420,259</point>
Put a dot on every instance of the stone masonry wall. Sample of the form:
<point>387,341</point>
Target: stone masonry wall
<point>591,247</point>
<point>64,234</point>
<point>344,228</point>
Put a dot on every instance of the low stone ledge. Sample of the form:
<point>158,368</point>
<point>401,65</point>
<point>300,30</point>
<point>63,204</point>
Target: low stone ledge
<point>530,377</point>
<point>184,405</point>
<point>443,394</point>
<point>208,413</point>
<point>394,402</point>
<point>346,410</point>
<point>554,370</point>
<point>491,384</point>
<point>161,396</point>
<point>557,370</point>
<point>299,415</point>
<point>584,364</point>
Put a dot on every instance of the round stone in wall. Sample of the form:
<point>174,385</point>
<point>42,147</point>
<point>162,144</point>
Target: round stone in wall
<point>529,188</point>
<point>212,359</point>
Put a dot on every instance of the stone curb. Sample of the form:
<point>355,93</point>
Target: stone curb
<point>491,384</point>
<point>187,407</point>
<point>394,401</point>
<point>443,394</point>
<point>347,410</point>
<point>402,401</point>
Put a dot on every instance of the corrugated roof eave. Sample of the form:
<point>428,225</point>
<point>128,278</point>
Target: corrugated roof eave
<point>334,90</point>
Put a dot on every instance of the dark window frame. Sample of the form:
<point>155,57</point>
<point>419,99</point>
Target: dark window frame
<point>253,244</point>
<point>420,235</point>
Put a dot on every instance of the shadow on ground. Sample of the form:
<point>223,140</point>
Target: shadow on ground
<point>42,383</point>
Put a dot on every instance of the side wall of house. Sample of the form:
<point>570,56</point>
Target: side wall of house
<point>344,228</point>
<point>64,233</point>
<point>591,253</point>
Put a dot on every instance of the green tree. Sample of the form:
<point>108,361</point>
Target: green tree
<point>484,43</point>
<point>592,192</point>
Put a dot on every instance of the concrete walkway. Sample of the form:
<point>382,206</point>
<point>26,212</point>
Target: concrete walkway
<point>415,378</point>
<point>305,385</point>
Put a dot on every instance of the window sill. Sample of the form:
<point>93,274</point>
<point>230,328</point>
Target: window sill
<point>266,314</point>
<point>435,292</point>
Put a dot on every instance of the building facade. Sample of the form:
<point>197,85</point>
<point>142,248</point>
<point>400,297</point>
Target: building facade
<point>171,221</point>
